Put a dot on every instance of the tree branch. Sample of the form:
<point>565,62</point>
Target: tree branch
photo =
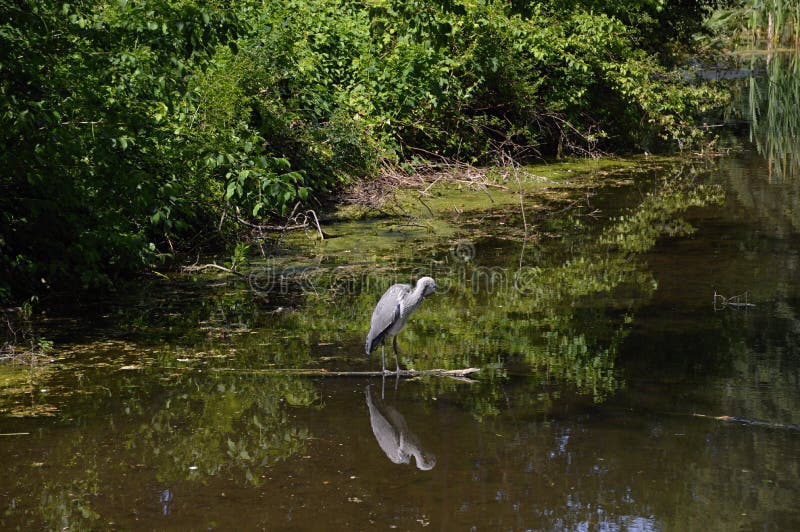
<point>460,374</point>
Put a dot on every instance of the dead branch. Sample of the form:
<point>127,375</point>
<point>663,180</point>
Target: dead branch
<point>377,193</point>
<point>735,302</point>
<point>270,227</point>
<point>316,221</point>
<point>461,374</point>
<point>201,267</point>
<point>748,421</point>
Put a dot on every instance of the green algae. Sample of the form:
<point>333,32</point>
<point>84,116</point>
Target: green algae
<point>450,208</point>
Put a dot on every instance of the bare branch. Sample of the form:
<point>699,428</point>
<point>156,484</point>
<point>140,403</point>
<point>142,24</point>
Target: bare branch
<point>201,267</point>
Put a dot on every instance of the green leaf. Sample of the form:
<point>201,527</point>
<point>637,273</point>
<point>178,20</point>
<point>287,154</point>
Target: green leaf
<point>230,190</point>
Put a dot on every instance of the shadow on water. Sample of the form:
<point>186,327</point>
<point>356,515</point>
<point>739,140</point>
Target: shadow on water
<point>613,393</point>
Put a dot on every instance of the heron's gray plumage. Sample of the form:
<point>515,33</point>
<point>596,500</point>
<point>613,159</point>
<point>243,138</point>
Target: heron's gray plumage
<point>387,313</point>
<point>392,312</point>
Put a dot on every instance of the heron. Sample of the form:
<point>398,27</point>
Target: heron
<point>391,313</point>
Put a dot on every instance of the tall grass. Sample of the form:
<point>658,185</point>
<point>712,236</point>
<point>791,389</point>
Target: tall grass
<point>774,109</point>
<point>775,22</point>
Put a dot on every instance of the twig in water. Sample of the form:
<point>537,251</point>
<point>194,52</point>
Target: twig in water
<point>316,221</point>
<point>201,267</point>
<point>746,421</point>
<point>419,198</point>
<point>733,301</point>
<point>459,374</point>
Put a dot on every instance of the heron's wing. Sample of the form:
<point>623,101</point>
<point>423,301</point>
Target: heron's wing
<point>386,313</point>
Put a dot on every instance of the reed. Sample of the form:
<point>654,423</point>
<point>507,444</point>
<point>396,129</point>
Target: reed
<point>774,110</point>
<point>774,22</point>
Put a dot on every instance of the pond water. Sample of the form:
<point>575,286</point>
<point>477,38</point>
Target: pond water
<point>636,326</point>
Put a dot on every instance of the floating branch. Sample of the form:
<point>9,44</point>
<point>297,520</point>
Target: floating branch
<point>730,419</point>
<point>738,301</point>
<point>201,267</point>
<point>458,374</point>
<point>461,374</point>
<point>746,421</point>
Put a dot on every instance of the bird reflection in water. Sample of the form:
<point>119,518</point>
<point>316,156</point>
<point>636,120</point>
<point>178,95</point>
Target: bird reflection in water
<point>165,498</point>
<point>394,438</point>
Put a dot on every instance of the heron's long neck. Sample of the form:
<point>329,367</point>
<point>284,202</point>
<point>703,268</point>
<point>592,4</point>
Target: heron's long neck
<point>415,297</point>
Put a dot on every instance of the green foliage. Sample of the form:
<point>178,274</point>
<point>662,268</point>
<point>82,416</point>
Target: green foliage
<point>464,79</point>
<point>239,256</point>
<point>97,106</point>
<point>132,126</point>
<point>18,339</point>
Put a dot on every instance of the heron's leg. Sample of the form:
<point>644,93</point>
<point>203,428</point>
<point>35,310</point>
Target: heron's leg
<point>396,360</point>
<point>383,357</point>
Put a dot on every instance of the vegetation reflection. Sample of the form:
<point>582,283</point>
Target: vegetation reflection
<point>191,401</point>
<point>774,113</point>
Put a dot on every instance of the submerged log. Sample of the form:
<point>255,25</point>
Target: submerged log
<point>453,373</point>
<point>747,421</point>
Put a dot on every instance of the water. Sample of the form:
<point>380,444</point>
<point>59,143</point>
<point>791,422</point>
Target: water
<point>616,391</point>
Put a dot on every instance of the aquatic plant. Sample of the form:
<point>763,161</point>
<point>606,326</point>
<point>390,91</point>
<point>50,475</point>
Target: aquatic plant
<point>773,21</point>
<point>774,111</point>
<point>760,23</point>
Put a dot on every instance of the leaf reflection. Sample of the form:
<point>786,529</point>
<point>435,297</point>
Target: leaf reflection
<point>224,425</point>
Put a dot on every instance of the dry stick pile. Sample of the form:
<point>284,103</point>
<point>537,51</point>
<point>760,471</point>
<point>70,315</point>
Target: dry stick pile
<point>378,194</point>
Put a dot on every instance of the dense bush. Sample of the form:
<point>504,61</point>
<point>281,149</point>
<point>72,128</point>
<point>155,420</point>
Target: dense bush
<point>462,79</point>
<point>131,127</point>
<point>98,111</point>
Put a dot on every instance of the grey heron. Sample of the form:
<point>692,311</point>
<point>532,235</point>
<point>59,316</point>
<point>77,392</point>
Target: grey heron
<point>391,313</point>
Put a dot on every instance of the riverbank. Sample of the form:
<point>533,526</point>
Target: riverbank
<point>402,216</point>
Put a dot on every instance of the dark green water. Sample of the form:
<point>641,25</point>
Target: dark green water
<point>616,390</point>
